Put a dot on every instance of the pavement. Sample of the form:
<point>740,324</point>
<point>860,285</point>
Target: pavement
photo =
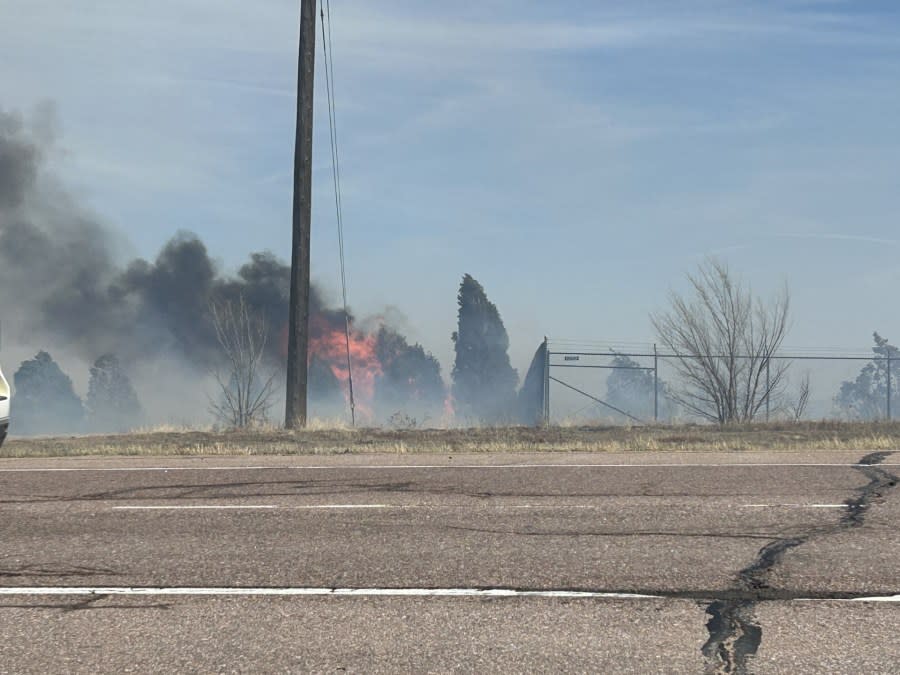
<point>638,562</point>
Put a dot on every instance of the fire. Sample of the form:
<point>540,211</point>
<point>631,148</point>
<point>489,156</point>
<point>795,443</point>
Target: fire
<point>449,409</point>
<point>329,344</point>
<point>384,365</point>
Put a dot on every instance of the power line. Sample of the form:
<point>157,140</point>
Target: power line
<point>328,51</point>
<point>645,349</point>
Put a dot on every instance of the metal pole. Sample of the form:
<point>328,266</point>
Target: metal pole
<point>768,390</point>
<point>298,321</point>
<point>889,415</point>
<point>655,384</point>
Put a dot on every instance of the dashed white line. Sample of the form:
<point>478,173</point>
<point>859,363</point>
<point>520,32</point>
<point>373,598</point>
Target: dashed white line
<point>230,507</point>
<point>237,507</point>
<point>338,507</point>
<point>325,507</point>
<point>349,506</point>
<point>794,506</point>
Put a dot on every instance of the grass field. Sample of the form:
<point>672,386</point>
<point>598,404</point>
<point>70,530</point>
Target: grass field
<point>780,436</point>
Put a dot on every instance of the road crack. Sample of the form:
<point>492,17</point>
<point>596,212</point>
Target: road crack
<point>879,482</point>
<point>734,634</point>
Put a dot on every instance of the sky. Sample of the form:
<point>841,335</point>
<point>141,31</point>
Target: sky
<point>577,158</point>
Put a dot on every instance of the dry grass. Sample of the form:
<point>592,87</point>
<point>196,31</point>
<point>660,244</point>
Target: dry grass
<point>331,440</point>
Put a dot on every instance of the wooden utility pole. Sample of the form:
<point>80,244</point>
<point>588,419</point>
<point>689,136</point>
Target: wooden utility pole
<point>298,322</point>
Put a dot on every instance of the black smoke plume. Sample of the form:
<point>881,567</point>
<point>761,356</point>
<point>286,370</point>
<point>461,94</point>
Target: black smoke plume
<point>62,285</point>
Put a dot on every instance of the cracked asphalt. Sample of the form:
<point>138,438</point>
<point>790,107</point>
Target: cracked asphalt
<point>755,559</point>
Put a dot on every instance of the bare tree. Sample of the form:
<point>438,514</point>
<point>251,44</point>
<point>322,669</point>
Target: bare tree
<point>723,340</point>
<point>797,407</point>
<point>245,387</point>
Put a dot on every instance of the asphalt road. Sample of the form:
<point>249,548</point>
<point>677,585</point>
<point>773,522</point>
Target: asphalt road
<point>604,563</point>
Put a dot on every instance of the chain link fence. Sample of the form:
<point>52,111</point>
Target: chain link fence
<point>639,383</point>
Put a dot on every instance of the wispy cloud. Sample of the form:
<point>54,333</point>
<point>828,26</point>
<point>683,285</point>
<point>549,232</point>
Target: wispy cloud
<point>861,238</point>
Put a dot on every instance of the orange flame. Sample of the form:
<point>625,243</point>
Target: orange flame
<point>329,344</point>
<point>449,407</point>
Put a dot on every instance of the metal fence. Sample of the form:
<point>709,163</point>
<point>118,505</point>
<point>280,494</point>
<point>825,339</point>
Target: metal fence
<point>583,383</point>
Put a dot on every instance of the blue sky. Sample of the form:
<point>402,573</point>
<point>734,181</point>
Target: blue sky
<point>575,157</point>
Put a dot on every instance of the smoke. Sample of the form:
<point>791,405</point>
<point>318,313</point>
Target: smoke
<point>63,285</point>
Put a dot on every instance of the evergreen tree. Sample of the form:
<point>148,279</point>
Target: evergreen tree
<point>865,398</point>
<point>631,389</point>
<point>484,382</point>
<point>45,401</point>
<point>411,381</point>
<point>112,404</point>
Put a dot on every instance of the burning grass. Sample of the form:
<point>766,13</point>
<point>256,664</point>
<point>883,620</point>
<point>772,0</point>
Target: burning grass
<point>322,439</point>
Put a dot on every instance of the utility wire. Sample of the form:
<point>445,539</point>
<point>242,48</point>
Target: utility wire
<point>328,51</point>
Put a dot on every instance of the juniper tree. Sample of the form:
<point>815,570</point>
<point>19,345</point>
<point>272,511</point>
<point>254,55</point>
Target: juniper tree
<point>411,379</point>
<point>865,398</point>
<point>484,382</point>
<point>112,404</point>
<point>45,400</point>
<point>632,388</point>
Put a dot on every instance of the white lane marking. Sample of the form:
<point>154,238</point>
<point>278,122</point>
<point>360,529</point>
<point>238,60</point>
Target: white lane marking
<point>361,592</point>
<point>210,507</point>
<point>794,506</point>
<point>315,507</point>
<point>352,592</point>
<point>884,598</point>
<point>351,506</point>
<point>539,506</point>
<point>194,508</point>
<point>873,598</point>
<point>408,467</point>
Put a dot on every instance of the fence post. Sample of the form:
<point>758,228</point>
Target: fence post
<point>889,415</point>
<point>768,390</point>
<point>655,384</point>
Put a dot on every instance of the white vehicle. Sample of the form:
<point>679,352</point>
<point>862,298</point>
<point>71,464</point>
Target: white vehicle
<point>4,407</point>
